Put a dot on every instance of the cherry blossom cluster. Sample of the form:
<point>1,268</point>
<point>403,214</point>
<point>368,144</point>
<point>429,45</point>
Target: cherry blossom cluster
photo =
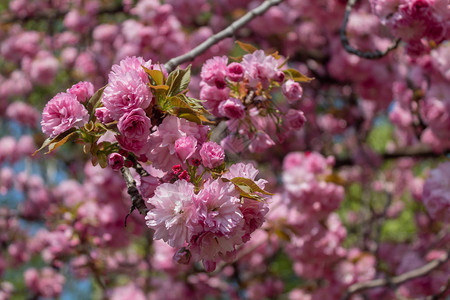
<point>240,92</point>
<point>422,24</point>
<point>372,205</point>
<point>208,224</point>
<point>196,205</point>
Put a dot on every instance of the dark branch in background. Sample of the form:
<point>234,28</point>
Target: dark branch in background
<point>227,32</point>
<point>137,202</point>
<point>53,14</point>
<point>397,280</point>
<point>344,39</point>
<point>379,223</point>
<point>413,152</point>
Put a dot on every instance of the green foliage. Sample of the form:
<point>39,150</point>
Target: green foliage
<point>247,188</point>
<point>400,229</point>
<point>379,136</point>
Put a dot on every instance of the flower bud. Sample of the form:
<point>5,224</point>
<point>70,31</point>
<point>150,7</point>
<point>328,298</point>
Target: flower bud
<point>183,256</point>
<point>185,147</point>
<point>212,155</point>
<point>116,161</point>
<point>235,72</point>
<point>232,108</point>
<point>295,118</point>
<point>292,90</point>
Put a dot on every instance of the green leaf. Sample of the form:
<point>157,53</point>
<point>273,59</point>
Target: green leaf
<point>177,102</point>
<point>56,139</point>
<point>247,47</point>
<point>161,87</point>
<point>276,55</point>
<point>155,75</point>
<point>95,102</point>
<point>193,103</point>
<point>191,115</point>
<point>178,81</point>
<point>297,76</point>
<point>59,143</point>
<point>241,181</point>
<point>102,160</point>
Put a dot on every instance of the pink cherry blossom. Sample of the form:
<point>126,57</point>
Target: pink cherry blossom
<point>235,72</point>
<point>292,90</point>
<point>214,71</point>
<point>116,161</point>
<point>212,155</point>
<point>135,125</point>
<point>259,68</point>
<point>172,214</point>
<point>232,108</point>
<point>127,87</point>
<point>62,113</point>
<point>436,193</point>
<point>218,207</point>
<point>83,90</point>
<point>185,147</point>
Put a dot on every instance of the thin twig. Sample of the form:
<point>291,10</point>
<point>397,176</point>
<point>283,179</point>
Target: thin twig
<point>227,32</point>
<point>414,152</point>
<point>137,202</point>
<point>344,39</point>
<point>397,280</point>
<point>380,222</point>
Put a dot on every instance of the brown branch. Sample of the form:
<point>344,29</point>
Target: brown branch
<point>345,42</point>
<point>227,32</point>
<point>138,167</point>
<point>397,280</point>
<point>414,152</point>
<point>137,202</point>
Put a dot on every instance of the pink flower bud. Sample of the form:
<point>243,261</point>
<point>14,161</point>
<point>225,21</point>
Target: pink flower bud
<point>232,108</point>
<point>184,175</point>
<point>196,162</point>
<point>148,185</point>
<point>103,115</point>
<point>185,147</point>
<point>212,155</point>
<point>295,118</point>
<point>209,265</point>
<point>183,256</point>
<point>116,161</point>
<point>177,169</point>
<point>83,90</point>
<point>128,163</point>
<point>292,90</point>
<point>235,72</point>
<point>62,113</point>
<point>279,76</point>
<point>135,125</point>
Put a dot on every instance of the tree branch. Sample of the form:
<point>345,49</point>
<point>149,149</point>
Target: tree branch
<point>137,202</point>
<point>414,152</point>
<point>344,39</point>
<point>227,32</point>
<point>397,280</point>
